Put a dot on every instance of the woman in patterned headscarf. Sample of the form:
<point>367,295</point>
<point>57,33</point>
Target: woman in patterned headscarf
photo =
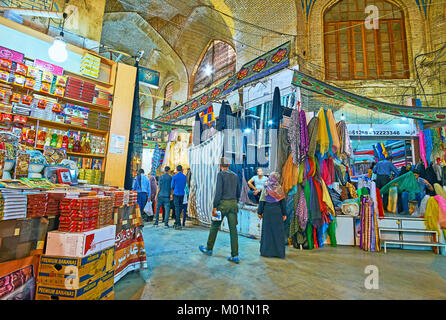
<point>272,208</point>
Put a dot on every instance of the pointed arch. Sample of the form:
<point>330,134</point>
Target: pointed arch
<point>218,55</point>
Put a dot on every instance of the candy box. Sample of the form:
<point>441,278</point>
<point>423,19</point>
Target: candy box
<point>75,273</point>
<point>5,64</point>
<point>21,69</point>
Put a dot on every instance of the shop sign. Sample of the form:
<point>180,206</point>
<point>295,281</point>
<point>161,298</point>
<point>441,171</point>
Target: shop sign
<point>117,144</point>
<point>12,55</point>
<point>49,67</point>
<point>379,130</point>
<point>149,78</point>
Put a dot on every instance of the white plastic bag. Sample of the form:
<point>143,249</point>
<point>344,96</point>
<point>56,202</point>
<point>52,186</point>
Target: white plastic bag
<point>148,208</point>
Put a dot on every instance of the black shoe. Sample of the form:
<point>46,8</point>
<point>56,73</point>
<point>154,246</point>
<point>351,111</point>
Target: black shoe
<point>155,224</point>
<point>166,226</point>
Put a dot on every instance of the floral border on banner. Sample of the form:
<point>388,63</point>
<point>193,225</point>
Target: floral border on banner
<point>146,125</point>
<point>152,144</point>
<point>314,85</point>
<point>271,62</point>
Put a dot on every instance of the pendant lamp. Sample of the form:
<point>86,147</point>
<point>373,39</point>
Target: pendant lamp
<point>58,50</point>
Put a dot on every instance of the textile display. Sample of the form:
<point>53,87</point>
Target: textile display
<point>147,160</point>
<point>192,207</point>
<point>130,253</point>
<point>369,240</point>
<point>344,138</point>
<point>264,65</point>
<point>18,279</point>
<point>204,164</point>
<point>424,113</point>
<point>207,117</point>
<point>392,206</point>
<point>156,160</point>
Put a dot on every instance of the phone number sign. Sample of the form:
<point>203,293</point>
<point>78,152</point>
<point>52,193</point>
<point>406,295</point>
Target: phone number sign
<point>382,131</point>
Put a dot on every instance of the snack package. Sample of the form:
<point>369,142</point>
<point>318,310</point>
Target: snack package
<point>30,83</point>
<point>54,156</point>
<point>2,94</point>
<point>61,81</point>
<point>59,92</point>
<point>2,161</point>
<point>16,97</point>
<point>5,64</point>
<point>4,76</point>
<point>22,164</point>
<point>6,117</point>
<point>33,72</point>
<point>46,87</point>
<point>19,119</point>
<point>19,80</point>
<point>41,104</point>
<point>21,69</point>
<point>47,77</point>
<point>57,107</point>
<point>27,100</point>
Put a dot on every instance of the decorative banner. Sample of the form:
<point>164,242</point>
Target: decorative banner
<point>130,252</point>
<point>150,126</point>
<point>271,62</point>
<point>382,130</point>
<point>149,78</point>
<point>152,144</point>
<point>309,83</point>
<point>12,55</point>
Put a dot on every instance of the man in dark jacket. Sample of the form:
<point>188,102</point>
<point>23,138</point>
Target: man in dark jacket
<point>227,194</point>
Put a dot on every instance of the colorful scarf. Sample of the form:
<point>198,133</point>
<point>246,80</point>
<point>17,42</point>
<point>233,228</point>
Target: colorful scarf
<point>322,134</point>
<point>304,142</point>
<point>334,133</point>
<point>273,191</point>
<point>313,128</point>
<point>294,136</point>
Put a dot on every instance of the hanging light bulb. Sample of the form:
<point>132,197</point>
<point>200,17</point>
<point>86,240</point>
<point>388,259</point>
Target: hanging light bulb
<point>247,130</point>
<point>152,126</point>
<point>342,117</point>
<point>270,122</point>
<point>58,50</point>
<point>404,118</point>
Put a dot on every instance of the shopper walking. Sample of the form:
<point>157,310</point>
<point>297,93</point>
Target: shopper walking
<point>184,207</point>
<point>383,170</point>
<point>272,209</point>
<point>178,185</point>
<point>227,194</point>
<point>141,185</point>
<point>257,184</point>
<point>163,197</point>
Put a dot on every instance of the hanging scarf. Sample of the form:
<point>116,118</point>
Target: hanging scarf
<point>304,139</point>
<point>330,138</point>
<point>423,148</point>
<point>302,211</point>
<point>313,128</point>
<point>294,136</point>
<point>428,145</point>
<point>273,191</point>
<point>334,133</point>
<point>322,133</point>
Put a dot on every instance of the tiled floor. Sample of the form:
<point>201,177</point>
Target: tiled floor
<point>177,270</point>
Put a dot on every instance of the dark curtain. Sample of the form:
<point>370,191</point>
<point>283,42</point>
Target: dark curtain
<point>135,136</point>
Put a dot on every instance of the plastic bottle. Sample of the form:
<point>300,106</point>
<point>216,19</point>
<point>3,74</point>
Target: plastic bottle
<point>87,144</point>
<point>31,137</point>
<point>70,141</point>
<point>65,141</point>
<point>48,138</point>
<point>77,143</point>
<point>59,139</point>
<point>54,137</point>
<point>41,138</point>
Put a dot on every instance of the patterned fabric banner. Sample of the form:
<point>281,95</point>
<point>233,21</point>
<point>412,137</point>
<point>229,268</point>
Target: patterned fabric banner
<point>309,83</point>
<point>152,144</point>
<point>204,165</point>
<point>150,126</point>
<point>271,62</point>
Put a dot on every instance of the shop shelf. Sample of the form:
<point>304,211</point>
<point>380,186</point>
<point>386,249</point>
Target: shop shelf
<point>60,125</point>
<point>99,82</point>
<point>88,155</point>
<point>69,100</point>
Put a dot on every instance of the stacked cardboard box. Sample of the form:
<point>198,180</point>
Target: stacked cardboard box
<point>90,65</point>
<point>86,278</point>
<point>88,93</point>
<point>79,214</point>
<point>37,204</point>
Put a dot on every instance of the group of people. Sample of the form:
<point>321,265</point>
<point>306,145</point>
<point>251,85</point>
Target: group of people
<point>269,195</point>
<point>171,193</point>
<point>385,172</point>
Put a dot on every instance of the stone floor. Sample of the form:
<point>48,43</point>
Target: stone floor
<point>177,270</point>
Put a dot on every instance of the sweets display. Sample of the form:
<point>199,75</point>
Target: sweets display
<point>36,206</point>
<point>79,214</point>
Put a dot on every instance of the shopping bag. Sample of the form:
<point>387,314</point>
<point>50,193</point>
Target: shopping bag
<point>148,208</point>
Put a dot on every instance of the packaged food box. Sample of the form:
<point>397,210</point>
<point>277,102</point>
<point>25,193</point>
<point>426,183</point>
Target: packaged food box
<point>89,292</point>
<point>75,273</point>
<point>80,244</point>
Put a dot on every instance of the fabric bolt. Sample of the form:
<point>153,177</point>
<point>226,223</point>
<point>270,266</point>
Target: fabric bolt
<point>406,182</point>
<point>428,145</point>
<point>205,159</point>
